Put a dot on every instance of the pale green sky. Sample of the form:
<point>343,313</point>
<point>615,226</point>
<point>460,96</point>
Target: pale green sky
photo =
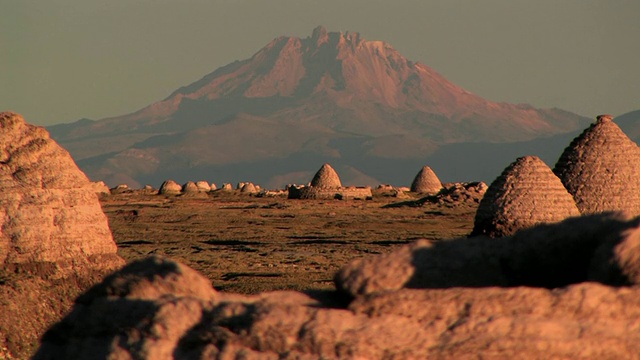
<point>62,60</point>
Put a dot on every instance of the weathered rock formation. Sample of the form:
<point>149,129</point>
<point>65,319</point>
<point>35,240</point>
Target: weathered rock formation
<point>170,187</point>
<point>50,217</point>
<point>603,247</point>
<point>100,188</point>
<point>426,182</point>
<point>451,195</point>
<point>354,193</point>
<point>54,237</point>
<point>601,169</point>
<point>527,193</point>
<point>156,308</point>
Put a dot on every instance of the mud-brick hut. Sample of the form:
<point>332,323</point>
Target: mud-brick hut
<point>601,169</point>
<point>326,184</point>
<point>170,187</point>
<point>527,193</point>
<point>426,182</point>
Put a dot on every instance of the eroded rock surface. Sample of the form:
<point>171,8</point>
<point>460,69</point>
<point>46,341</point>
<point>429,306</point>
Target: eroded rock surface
<point>50,216</point>
<point>54,238</point>
<point>158,309</point>
<point>604,247</point>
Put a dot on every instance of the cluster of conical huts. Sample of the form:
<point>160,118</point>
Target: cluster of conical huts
<point>598,172</point>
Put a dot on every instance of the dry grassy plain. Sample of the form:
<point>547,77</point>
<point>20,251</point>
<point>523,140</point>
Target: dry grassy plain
<point>248,244</point>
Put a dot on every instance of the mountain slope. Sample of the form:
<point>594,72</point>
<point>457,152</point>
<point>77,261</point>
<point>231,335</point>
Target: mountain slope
<point>330,96</point>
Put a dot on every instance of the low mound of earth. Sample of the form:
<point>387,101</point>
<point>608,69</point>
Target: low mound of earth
<point>159,308</point>
<point>300,102</point>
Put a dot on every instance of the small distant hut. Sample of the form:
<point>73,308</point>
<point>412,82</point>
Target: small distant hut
<point>527,193</point>
<point>326,178</point>
<point>249,188</point>
<point>601,169</point>
<point>170,187</point>
<point>326,184</point>
<point>203,186</point>
<point>426,182</point>
<point>190,187</point>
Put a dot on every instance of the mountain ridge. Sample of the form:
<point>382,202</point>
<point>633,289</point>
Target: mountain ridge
<point>301,96</point>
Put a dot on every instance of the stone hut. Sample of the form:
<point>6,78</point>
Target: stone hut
<point>190,188</point>
<point>50,216</point>
<point>249,188</point>
<point>601,169</point>
<point>170,187</point>
<point>326,178</point>
<point>426,182</point>
<point>54,237</point>
<point>203,186</point>
<point>527,193</point>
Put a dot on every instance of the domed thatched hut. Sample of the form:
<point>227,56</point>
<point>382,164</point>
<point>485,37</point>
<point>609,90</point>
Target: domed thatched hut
<point>601,169</point>
<point>525,194</point>
<point>426,182</point>
<point>326,178</point>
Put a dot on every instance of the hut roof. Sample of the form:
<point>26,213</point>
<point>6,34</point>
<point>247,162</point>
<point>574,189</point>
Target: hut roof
<point>170,187</point>
<point>601,169</point>
<point>525,194</point>
<point>426,181</point>
<point>326,177</point>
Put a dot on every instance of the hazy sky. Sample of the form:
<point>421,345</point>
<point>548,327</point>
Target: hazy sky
<point>62,60</point>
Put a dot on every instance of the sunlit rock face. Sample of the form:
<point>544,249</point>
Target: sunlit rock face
<point>50,218</point>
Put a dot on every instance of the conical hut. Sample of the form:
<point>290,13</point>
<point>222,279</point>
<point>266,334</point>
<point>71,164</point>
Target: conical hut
<point>189,187</point>
<point>601,169</point>
<point>326,178</point>
<point>170,187</point>
<point>426,182</point>
<point>525,194</point>
<point>249,188</point>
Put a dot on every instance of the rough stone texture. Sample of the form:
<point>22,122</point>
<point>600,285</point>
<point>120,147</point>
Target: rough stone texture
<point>190,188</point>
<point>354,193</point>
<point>327,178</point>
<point>158,309</point>
<point>145,307</point>
<point>213,186</point>
<point>527,193</point>
<point>226,187</point>
<point>603,247</point>
<point>203,186</point>
<point>50,218</point>
<point>100,188</point>
<point>170,187</point>
<point>249,188</point>
<point>54,238</point>
<point>312,192</point>
<point>601,169</point>
<point>426,182</point>
<point>452,195</point>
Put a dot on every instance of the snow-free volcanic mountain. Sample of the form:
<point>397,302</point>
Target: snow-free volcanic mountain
<point>331,97</point>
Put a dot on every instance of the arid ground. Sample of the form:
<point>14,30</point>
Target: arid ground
<point>248,244</point>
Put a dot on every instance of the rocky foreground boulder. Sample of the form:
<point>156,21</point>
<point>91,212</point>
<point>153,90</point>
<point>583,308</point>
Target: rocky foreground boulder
<point>50,216</point>
<point>54,238</point>
<point>405,305</point>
